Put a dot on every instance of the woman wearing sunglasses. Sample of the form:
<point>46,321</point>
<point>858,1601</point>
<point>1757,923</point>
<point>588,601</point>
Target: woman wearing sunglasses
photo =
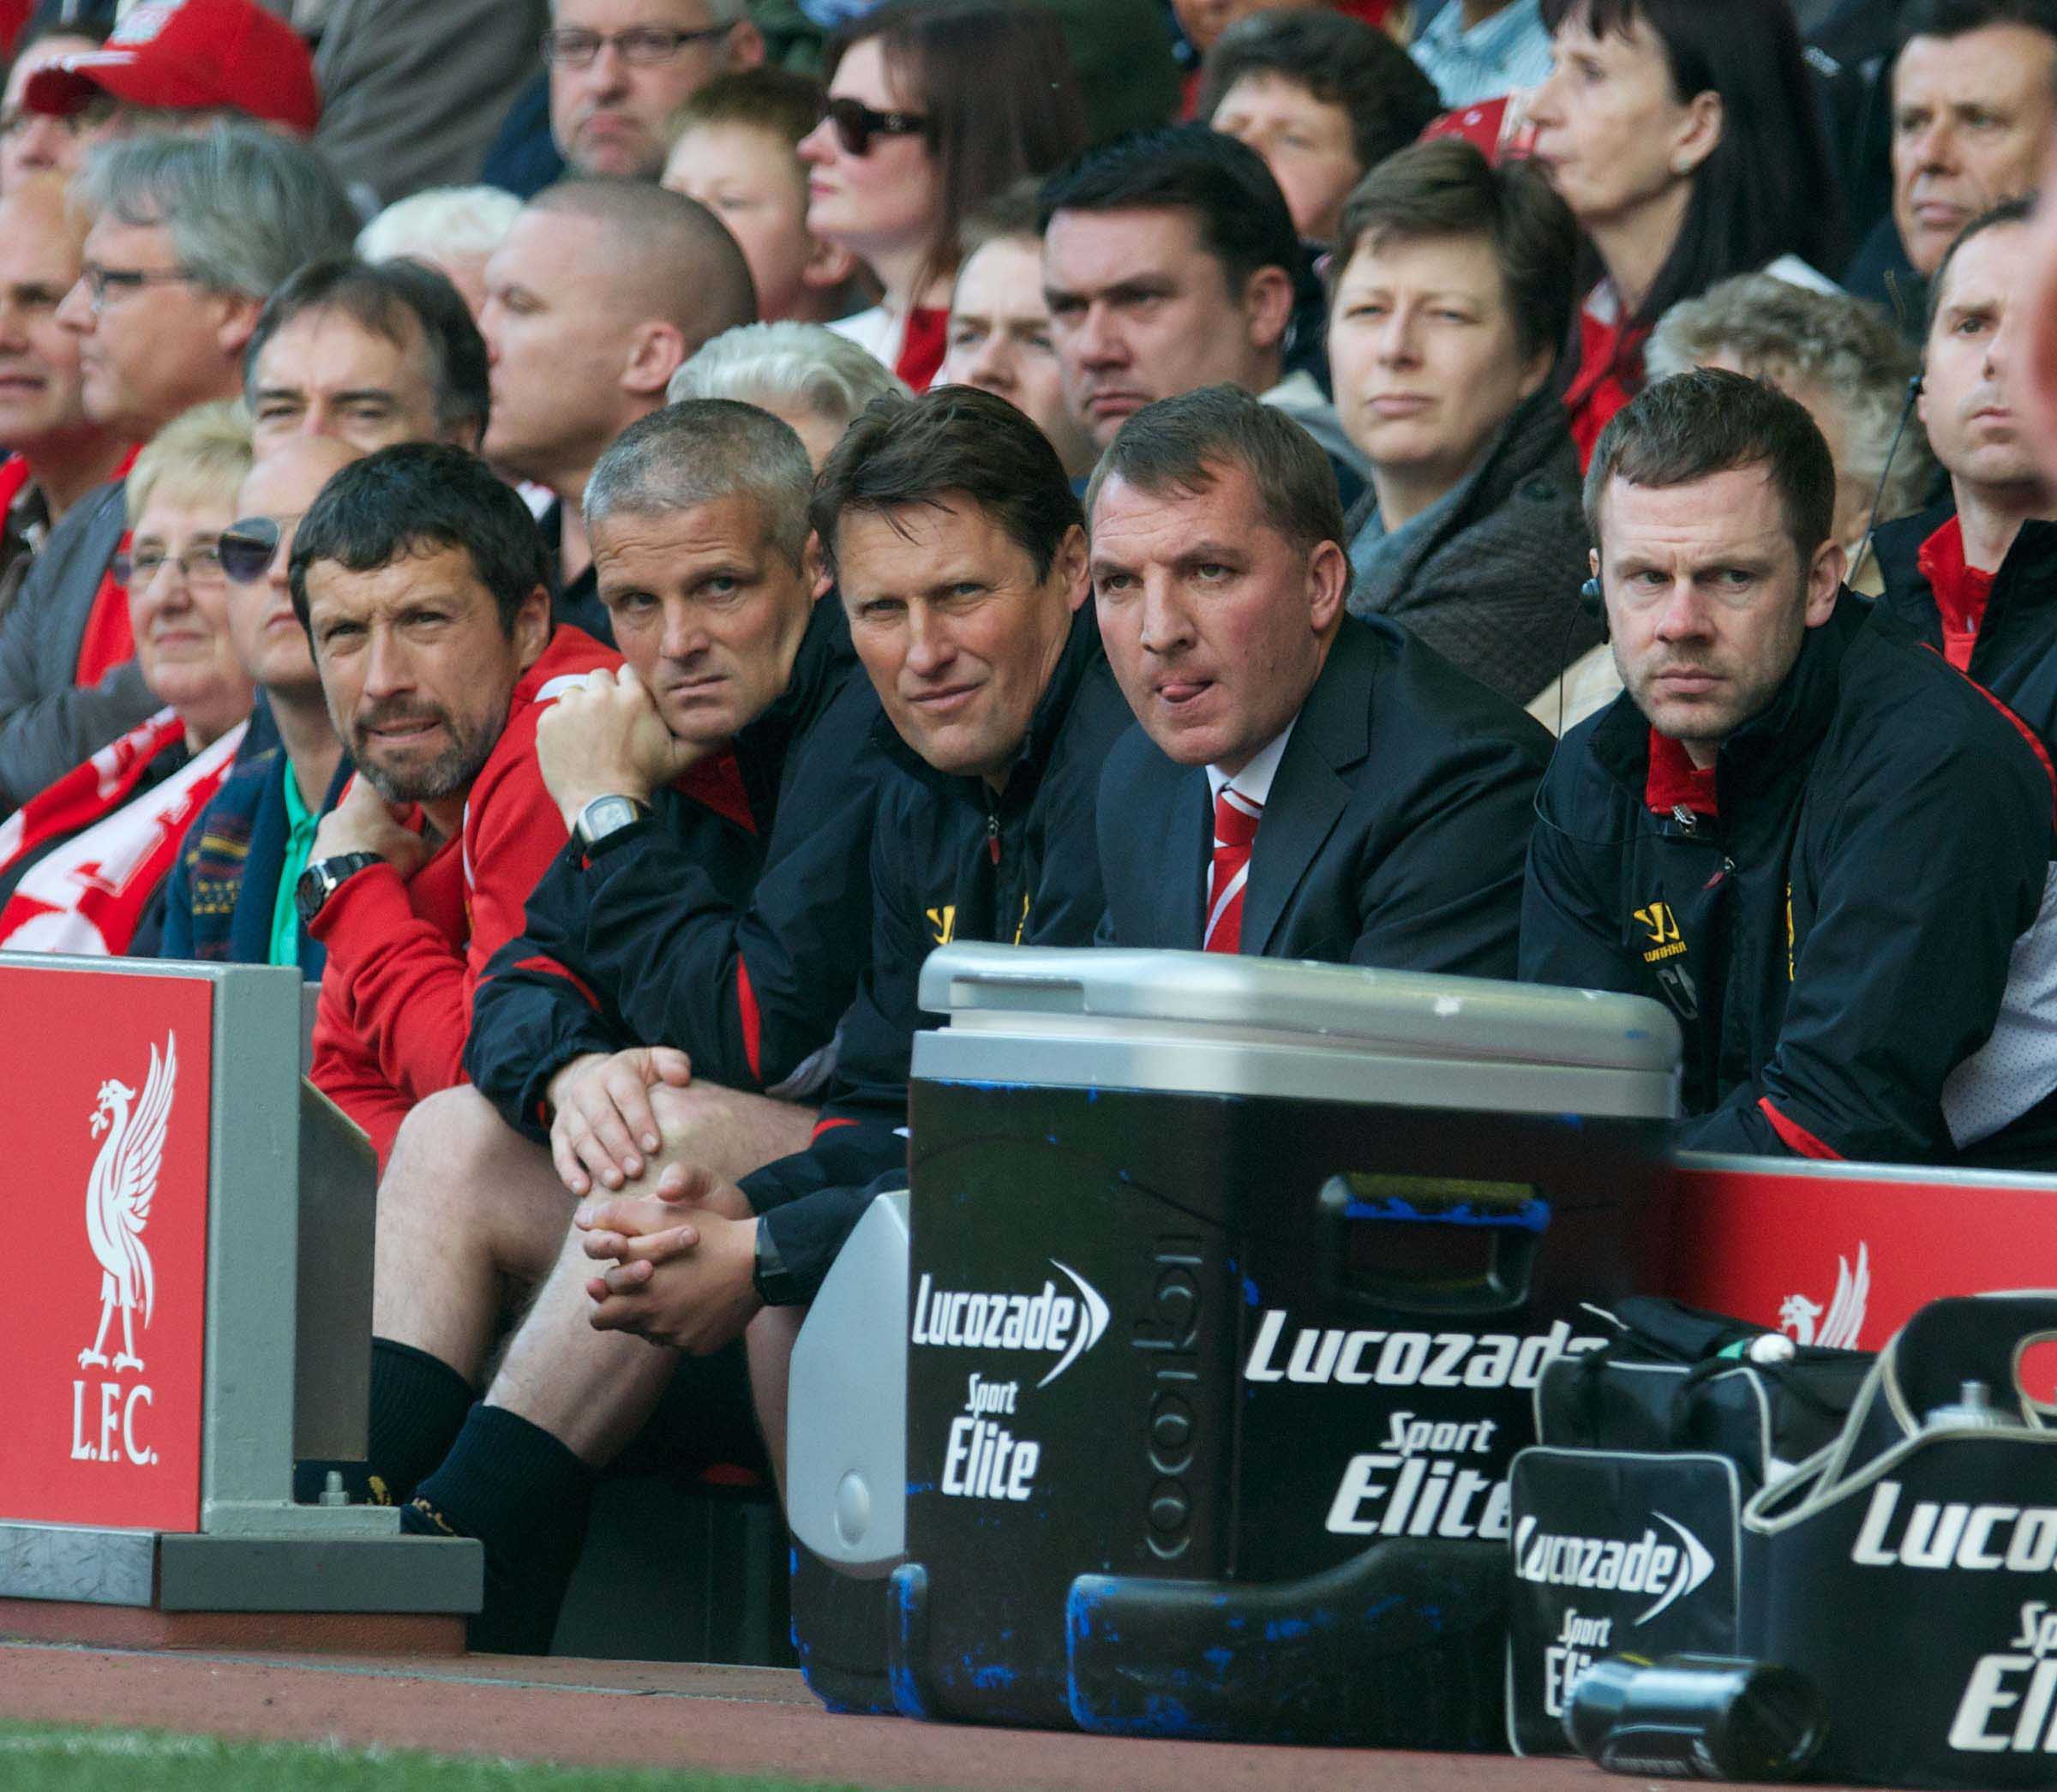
<point>931,111</point>
<point>81,862</point>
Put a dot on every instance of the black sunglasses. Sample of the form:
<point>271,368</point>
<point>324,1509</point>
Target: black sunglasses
<point>856,123</point>
<point>247,548</point>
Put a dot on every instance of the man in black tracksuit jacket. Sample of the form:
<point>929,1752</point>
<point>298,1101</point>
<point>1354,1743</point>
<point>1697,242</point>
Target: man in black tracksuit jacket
<point>952,859</point>
<point>736,937</point>
<point>962,555</point>
<point>1975,577</point>
<point>1847,907</point>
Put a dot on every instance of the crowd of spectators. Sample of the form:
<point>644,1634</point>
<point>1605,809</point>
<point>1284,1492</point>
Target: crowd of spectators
<point>601,531</point>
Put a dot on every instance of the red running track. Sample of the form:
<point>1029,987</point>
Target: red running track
<point>659,1714</point>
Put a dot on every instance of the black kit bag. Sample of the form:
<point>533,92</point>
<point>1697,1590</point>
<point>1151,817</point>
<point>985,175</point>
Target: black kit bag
<point>1910,1569</point>
<point>1627,1514</point>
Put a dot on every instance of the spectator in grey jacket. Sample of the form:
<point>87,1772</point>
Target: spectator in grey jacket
<point>1452,290</point>
<point>189,235</point>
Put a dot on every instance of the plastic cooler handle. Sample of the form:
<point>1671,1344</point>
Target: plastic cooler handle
<point>1440,1247</point>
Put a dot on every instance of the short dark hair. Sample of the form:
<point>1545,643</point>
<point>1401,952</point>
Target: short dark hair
<point>416,499</point>
<point>1954,18</point>
<point>1342,61</point>
<point>2008,210</point>
<point>379,297</point>
<point>1241,214</point>
<point>1448,188</point>
<point>1697,424</point>
<point>901,452</point>
<point>1176,444</point>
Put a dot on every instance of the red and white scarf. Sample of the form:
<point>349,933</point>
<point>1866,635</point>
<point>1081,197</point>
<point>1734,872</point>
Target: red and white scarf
<point>115,840</point>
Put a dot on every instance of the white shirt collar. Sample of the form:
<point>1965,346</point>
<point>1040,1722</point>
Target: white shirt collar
<point>1254,781</point>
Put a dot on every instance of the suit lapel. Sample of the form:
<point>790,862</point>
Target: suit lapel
<point>1308,793</point>
<point>1177,889</point>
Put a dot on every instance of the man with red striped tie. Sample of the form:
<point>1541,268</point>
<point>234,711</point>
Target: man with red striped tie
<point>1370,803</point>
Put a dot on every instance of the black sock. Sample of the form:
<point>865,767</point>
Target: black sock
<point>526,1497</point>
<point>418,1403</point>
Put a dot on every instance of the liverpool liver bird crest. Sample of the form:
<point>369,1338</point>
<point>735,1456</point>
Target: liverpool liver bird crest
<point>118,1193</point>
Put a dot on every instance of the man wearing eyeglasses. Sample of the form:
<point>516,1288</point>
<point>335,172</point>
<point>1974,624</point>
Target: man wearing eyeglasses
<point>189,237</point>
<point>229,896</point>
<point>620,68</point>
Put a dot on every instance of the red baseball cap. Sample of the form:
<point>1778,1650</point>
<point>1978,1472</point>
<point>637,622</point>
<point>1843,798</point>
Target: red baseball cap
<point>191,56</point>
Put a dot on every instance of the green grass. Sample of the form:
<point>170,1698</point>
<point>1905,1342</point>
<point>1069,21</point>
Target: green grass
<point>39,1758</point>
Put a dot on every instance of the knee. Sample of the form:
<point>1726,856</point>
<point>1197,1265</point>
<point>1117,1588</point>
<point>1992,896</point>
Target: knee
<point>450,1150</point>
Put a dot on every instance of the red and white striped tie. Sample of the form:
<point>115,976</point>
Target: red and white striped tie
<point>1236,818</point>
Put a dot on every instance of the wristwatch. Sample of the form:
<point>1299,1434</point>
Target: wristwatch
<point>767,1275</point>
<point>320,880</point>
<point>606,816</point>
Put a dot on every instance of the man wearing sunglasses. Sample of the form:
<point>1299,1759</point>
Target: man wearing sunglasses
<point>229,896</point>
<point>620,68</point>
<point>189,237</point>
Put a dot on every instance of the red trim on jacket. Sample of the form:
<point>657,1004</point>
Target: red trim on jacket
<point>752,1019</point>
<point>404,958</point>
<point>1962,591</point>
<point>545,966</point>
<point>718,784</point>
<point>109,639</point>
<point>2028,733</point>
<point>829,1126</point>
<point>1796,1138</point>
<point>1673,779</point>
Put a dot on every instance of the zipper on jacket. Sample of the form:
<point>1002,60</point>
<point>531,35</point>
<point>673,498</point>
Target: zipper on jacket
<point>993,830</point>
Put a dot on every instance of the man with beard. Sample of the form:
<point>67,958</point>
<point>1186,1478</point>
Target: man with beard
<point>1824,847</point>
<point>423,584</point>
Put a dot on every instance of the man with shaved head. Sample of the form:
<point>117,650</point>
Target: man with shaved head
<point>231,895</point>
<point>55,452</point>
<point>602,291</point>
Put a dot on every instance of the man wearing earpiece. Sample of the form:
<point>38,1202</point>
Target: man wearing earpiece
<point>1825,848</point>
<point>1976,577</point>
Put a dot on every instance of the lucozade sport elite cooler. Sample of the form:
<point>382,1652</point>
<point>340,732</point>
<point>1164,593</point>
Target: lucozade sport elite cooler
<point>1228,1282</point>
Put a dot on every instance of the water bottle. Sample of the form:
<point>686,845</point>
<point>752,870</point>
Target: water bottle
<point>1972,1411</point>
<point>1696,1717</point>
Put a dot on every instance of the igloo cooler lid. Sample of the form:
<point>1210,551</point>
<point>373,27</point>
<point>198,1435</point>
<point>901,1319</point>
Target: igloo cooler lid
<point>1212,1023</point>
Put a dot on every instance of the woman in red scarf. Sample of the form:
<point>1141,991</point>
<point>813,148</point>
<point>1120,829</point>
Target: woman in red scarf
<point>931,111</point>
<point>1684,137</point>
<point>81,862</point>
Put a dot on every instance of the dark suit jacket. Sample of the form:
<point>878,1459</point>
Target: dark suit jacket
<point>1395,834</point>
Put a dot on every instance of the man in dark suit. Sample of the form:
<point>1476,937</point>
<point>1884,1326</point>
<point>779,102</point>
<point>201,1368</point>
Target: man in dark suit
<point>1369,804</point>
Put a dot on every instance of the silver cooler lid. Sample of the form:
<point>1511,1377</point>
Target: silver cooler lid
<point>1211,1023</point>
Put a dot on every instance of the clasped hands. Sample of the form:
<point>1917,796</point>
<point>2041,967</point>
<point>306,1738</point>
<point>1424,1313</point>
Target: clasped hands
<point>682,1261</point>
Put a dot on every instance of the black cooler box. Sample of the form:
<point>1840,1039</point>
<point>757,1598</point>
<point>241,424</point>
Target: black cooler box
<point>1226,1282</point>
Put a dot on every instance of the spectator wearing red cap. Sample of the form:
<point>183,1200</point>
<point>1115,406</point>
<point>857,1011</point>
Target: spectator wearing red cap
<point>189,235</point>
<point>32,141</point>
<point>209,57</point>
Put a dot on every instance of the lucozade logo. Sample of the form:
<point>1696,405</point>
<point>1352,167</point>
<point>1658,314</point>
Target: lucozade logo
<point>1048,1320</point>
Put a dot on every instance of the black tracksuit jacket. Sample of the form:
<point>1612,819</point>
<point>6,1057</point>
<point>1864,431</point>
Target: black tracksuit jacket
<point>2015,654</point>
<point>741,945</point>
<point>1842,941</point>
<point>951,859</point>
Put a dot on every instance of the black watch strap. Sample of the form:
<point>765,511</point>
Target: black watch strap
<point>768,1275</point>
<point>322,879</point>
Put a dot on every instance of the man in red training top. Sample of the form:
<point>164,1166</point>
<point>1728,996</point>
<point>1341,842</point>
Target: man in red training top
<point>423,586</point>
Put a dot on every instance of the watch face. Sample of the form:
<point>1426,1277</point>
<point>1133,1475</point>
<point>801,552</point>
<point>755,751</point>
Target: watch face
<point>604,815</point>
